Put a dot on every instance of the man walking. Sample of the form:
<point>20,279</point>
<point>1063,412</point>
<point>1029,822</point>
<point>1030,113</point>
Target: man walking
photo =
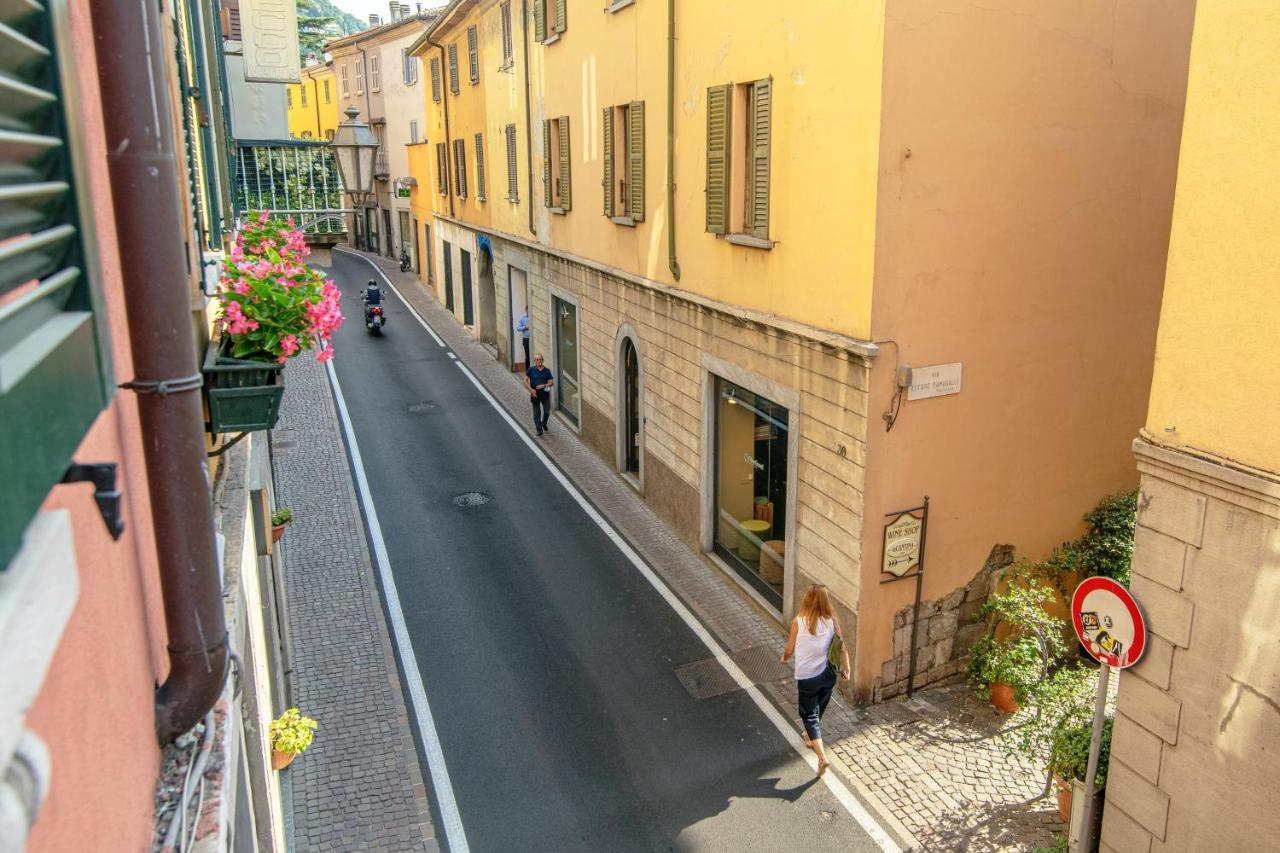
<point>522,326</point>
<point>538,381</point>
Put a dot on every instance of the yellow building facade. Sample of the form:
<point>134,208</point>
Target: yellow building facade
<point>738,227</point>
<point>313,104</point>
<point>1196,718</point>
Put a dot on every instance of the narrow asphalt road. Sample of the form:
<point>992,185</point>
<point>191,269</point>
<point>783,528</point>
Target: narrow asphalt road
<point>547,658</point>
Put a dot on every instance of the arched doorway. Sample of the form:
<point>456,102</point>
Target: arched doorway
<point>630,408</point>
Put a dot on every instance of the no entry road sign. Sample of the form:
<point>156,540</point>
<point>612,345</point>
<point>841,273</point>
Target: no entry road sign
<point>1108,622</point>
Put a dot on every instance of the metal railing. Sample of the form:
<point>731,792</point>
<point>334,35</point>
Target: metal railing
<point>293,177</point>
<point>382,165</point>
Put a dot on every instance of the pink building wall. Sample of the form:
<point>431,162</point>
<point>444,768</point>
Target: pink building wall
<point>1027,166</point>
<point>96,708</point>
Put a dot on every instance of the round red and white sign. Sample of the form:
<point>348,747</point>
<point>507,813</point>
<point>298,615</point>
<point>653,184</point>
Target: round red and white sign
<point>1108,622</point>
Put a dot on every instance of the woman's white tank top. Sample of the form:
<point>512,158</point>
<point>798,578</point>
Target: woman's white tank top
<point>811,649</point>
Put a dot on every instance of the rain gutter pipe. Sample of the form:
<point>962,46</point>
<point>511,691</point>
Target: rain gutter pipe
<point>671,140</point>
<point>444,101</point>
<point>144,173</point>
<point>528,114</point>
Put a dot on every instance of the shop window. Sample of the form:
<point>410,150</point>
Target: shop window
<point>566,326</point>
<point>751,437</point>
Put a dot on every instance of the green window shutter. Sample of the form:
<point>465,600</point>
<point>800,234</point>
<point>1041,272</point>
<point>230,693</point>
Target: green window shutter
<point>546,162</point>
<point>513,178</point>
<point>453,68</point>
<point>566,192</point>
<point>607,160</point>
<point>560,21</point>
<point>761,112</point>
<point>473,55</point>
<point>442,168</point>
<point>460,167</point>
<point>480,193</point>
<point>635,160</point>
<point>540,22</point>
<point>435,78</point>
<point>55,375</point>
<point>718,101</point>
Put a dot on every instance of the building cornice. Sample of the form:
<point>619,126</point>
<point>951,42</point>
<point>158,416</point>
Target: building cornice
<point>1209,474</point>
<point>863,350</point>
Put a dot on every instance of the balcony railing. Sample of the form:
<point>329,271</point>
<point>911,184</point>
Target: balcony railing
<point>382,166</point>
<point>292,177</point>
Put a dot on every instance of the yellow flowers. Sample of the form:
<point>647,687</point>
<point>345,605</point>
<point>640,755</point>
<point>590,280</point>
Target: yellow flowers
<point>291,732</point>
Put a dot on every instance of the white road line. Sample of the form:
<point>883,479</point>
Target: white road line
<point>788,732</point>
<point>455,836</point>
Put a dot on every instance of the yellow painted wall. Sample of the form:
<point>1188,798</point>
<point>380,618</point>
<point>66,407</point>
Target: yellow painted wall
<point>1218,339</point>
<point>317,116</point>
<point>328,106</point>
<point>421,197</point>
<point>825,147</point>
<point>301,119</point>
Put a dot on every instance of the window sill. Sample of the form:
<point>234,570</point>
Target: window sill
<point>617,6</point>
<point>551,39</point>
<point>508,65</point>
<point>514,199</point>
<point>558,211</point>
<point>623,220</point>
<point>750,240</point>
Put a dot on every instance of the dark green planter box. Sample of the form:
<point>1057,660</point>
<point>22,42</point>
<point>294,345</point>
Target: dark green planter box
<point>243,395</point>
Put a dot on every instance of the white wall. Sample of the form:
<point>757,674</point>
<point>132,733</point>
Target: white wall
<point>258,110</point>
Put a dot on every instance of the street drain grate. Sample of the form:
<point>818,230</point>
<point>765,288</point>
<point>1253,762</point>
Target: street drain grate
<point>706,678</point>
<point>419,408</point>
<point>467,500</point>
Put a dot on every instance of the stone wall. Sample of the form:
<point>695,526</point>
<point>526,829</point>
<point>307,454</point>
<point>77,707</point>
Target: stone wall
<point>948,627</point>
<point>1198,718</point>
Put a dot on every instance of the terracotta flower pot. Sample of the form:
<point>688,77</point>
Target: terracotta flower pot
<point>277,531</point>
<point>1002,698</point>
<point>281,760</point>
<point>1064,798</point>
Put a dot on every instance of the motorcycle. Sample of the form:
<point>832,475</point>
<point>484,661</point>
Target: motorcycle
<point>373,316</point>
<point>405,263</point>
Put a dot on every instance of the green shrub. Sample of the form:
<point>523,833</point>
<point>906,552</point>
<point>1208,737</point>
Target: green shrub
<point>1069,753</point>
<point>1017,663</point>
<point>292,732</point>
<point>281,516</point>
<point>1032,643</point>
<point>1105,549</point>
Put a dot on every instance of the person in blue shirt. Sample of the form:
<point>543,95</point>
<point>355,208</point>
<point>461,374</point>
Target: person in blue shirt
<point>522,326</point>
<point>538,381</point>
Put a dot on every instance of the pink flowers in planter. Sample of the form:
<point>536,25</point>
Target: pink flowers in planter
<point>273,305</point>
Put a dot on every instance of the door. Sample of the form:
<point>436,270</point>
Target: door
<point>417,246</point>
<point>448,276</point>
<point>631,407</point>
<point>518,302</point>
<point>468,301</point>
<point>371,230</point>
<point>407,235</point>
<point>386,229</point>
<point>565,323</point>
<point>488,298</point>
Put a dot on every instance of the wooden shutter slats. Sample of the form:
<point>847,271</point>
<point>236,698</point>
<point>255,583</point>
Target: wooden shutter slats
<point>566,186</point>
<point>561,16</point>
<point>606,126</point>
<point>635,164</point>
<point>546,162</point>
<point>540,21</point>
<point>513,180</point>
<point>718,126</point>
<point>473,55</point>
<point>453,68</point>
<point>435,78</point>
<point>758,147</point>
<point>480,182</point>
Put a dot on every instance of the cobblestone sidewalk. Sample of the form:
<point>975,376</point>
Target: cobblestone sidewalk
<point>901,758</point>
<point>359,786</point>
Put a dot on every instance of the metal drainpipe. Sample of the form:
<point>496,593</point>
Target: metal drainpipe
<point>528,115</point>
<point>448,140</point>
<point>671,140</point>
<point>144,170</point>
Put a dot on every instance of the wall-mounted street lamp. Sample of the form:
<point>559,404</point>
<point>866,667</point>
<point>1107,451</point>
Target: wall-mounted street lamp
<point>355,145</point>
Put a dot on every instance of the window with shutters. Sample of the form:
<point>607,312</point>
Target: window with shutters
<point>234,32</point>
<point>513,177</point>
<point>453,68</point>
<point>288,97</point>
<point>508,49</point>
<point>413,131</point>
<point>359,77</point>
<point>460,168</point>
<point>375,73</point>
<point>480,180</point>
<point>328,96</point>
<point>473,56</point>
<point>408,67</point>
<point>442,168</point>
<point>557,191</point>
<point>342,78</point>
<point>623,162</point>
<point>550,19</point>
<point>739,127</point>
<point>55,375</point>
<point>435,78</point>
<point>302,90</point>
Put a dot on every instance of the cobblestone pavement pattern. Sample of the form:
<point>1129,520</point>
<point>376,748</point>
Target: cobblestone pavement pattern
<point>931,793</point>
<point>359,786</point>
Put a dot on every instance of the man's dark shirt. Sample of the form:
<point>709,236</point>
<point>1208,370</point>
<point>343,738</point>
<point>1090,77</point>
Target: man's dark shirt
<point>539,376</point>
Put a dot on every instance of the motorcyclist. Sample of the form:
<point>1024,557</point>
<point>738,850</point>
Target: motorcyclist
<point>372,295</point>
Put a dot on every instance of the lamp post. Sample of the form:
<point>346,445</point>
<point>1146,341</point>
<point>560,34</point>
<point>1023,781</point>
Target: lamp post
<point>354,145</point>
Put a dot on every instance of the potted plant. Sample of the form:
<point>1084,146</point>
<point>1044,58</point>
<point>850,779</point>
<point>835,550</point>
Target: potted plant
<point>279,519</point>
<point>271,307</point>
<point>1022,641</point>
<point>1069,759</point>
<point>290,734</point>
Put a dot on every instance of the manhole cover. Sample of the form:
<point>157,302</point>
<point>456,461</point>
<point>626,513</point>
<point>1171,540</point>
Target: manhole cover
<point>761,664</point>
<point>467,500</point>
<point>419,408</point>
<point>705,678</point>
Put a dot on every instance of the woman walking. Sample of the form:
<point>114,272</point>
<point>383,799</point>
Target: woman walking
<point>812,632</point>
